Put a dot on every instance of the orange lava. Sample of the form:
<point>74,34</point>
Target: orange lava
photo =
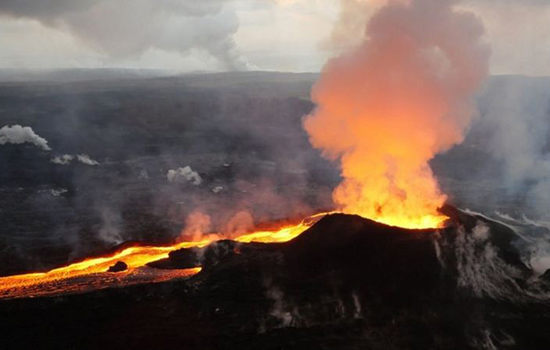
<point>388,105</point>
<point>91,274</point>
<point>283,234</point>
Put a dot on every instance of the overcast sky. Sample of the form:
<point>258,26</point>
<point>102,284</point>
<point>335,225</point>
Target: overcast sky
<point>213,35</point>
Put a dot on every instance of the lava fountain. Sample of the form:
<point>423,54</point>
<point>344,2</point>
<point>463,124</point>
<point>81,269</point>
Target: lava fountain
<point>386,107</point>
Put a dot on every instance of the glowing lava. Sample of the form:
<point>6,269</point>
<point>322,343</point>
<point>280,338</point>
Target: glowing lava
<point>91,274</point>
<point>388,106</point>
<point>283,234</point>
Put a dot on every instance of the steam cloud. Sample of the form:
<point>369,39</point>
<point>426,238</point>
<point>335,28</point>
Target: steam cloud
<point>184,174</point>
<point>518,117</point>
<point>63,160</point>
<point>387,107</point>
<point>85,159</point>
<point>126,28</point>
<point>197,225</point>
<point>67,159</point>
<point>18,134</point>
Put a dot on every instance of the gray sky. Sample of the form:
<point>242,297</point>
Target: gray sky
<point>213,35</point>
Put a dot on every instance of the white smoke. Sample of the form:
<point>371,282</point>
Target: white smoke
<point>282,311</point>
<point>68,159</point>
<point>85,159</point>
<point>18,134</point>
<point>126,28</point>
<point>62,160</point>
<point>111,223</point>
<point>58,192</point>
<point>517,113</point>
<point>185,174</point>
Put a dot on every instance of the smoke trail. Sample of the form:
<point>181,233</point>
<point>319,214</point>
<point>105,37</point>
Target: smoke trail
<point>387,107</point>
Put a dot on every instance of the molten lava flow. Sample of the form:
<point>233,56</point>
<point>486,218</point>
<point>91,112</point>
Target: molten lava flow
<point>387,107</point>
<point>92,273</point>
<point>283,234</point>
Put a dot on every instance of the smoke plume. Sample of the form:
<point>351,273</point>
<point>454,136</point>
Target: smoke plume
<point>517,114</point>
<point>62,160</point>
<point>387,107</point>
<point>18,134</point>
<point>85,159</point>
<point>197,225</point>
<point>125,28</point>
<point>67,159</point>
<point>185,174</point>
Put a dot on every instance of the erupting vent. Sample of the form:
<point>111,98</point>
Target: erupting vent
<point>387,107</point>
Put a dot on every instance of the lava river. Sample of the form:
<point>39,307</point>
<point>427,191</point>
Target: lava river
<point>91,274</point>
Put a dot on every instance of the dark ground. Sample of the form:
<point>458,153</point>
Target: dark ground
<point>346,283</point>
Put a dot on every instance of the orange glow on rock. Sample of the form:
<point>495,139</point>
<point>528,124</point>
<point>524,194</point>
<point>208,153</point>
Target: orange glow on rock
<point>91,274</point>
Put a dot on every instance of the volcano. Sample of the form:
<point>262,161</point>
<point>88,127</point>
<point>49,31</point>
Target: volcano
<point>344,283</point>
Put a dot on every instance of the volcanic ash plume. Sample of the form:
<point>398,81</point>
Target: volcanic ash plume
<point>390,105</point>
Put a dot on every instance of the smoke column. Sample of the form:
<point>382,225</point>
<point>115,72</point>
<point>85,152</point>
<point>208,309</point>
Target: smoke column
<point>388,106</point>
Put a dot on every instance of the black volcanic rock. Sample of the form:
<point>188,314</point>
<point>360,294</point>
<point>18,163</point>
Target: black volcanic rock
<point>119,266</point>
<point>502,236</point>
<point>345,283</point>
<point>179,259</point>
<point>208,256</point>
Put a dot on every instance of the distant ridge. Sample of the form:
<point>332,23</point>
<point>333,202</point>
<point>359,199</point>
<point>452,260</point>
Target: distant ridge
<point>9,75</point>
<point>78,74</point>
